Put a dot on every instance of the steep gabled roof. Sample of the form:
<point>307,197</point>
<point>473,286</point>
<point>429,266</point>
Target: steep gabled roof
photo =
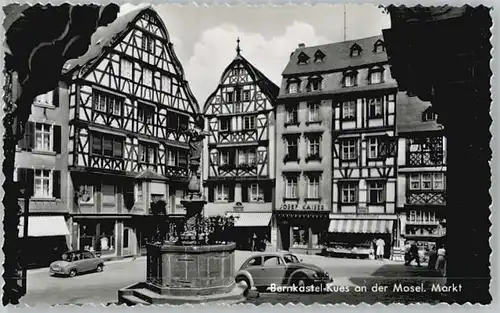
<point>337,56</point>
<point>107,37</point>
<point>270,89</point>
<point>409,115</point>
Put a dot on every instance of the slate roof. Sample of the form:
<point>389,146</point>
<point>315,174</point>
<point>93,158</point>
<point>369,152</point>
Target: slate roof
<point>337,57</point>
<point>409,115</point>
<point>269,88</point>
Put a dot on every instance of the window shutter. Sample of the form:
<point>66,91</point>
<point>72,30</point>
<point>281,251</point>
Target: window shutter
<point>244,192</point>
<point>57,138</point>
<point>231,193</point>
<point>29,136</point>
<point>55,97</point>
<point>268,193</point>
<point>211,193</point>
<point>56,184</point>
<point>30,181</point>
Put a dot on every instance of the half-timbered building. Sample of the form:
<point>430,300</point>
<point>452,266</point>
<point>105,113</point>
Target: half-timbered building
<point>239,150</point>
<point>129,105</point>
<point>364,149</point>
<point>421,201</point>
<point>303,150</point>
<point>40,168</point>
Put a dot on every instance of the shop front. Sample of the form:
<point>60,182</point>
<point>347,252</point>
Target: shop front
<point>357,235</point>
<point>251,230</point>
<point>301,232</point>
<point>46,240</point>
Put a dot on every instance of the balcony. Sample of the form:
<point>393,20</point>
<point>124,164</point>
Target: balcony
<point>425,159</point>
<point>425,197</point>
<point>422,222</point>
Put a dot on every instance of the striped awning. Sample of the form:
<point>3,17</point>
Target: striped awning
<point>251,219</point>
<point>360,226</point>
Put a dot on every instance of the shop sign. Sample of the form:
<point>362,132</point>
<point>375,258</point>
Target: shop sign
<point>369,216</point>
<point>305,207</point>
<point>362,210</point>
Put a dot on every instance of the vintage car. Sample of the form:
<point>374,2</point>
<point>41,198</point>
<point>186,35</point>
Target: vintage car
<point>280,269</point>
<point>76,262</point>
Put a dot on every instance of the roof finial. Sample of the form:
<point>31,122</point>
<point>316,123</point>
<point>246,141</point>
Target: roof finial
<point>238,50</point>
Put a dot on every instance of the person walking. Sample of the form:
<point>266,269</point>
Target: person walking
<point>432,258</point>
<point>413,254</point>
<point>380,248</point>
<point>441,260</point>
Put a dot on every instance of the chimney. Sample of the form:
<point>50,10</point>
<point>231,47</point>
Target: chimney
<point>302,45</point>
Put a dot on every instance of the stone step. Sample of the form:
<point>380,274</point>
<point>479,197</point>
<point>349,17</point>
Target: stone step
<point>133,300</point>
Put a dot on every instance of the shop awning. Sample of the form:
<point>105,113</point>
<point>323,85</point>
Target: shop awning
<point>251,219</point>
<point>44,226</point>
<point>360,226</point>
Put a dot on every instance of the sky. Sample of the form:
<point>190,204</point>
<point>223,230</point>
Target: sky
<point>204,37</point>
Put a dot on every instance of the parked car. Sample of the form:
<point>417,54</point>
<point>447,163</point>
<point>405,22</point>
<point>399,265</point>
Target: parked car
<point>76,262</point>
<point>280,269</point>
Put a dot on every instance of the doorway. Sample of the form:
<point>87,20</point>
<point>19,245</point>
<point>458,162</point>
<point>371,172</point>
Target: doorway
<point>128,241</point>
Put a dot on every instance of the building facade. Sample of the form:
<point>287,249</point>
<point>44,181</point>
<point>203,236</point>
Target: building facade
<point>41,164</point>
<point>364,149</point>
<point>129,105</point>
<point>303,151</point>
<point>239,152</point>
<point>421,201</point>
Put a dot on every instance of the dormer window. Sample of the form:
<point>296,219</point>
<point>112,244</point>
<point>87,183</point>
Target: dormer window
<point>302,58</point>
<point>319,56</point>
<point>355,50</point>
<point>429,115</point>
<point>376,75</point>
<point>293,86</point>
<point>314,83</point>
<point>379,46</point>
<point>350,78</point>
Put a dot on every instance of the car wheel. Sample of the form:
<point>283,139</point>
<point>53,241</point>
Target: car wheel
<point>72,273</point>
<point>300,280</point>
<point>99,268</point>
<point>243,278</point>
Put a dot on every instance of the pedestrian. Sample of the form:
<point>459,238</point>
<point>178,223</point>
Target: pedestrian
<point>407,252</point>
<point>380,248</point>
<point>413,254</point>
<point>441,259</point>
<point>432,257</point>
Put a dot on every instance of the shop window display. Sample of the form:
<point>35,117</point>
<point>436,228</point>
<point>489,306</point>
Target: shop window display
<point>300,237</point>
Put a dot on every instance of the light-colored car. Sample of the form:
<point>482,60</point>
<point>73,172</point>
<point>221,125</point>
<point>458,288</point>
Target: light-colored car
<point>76,262</point>
<point>280,269</point>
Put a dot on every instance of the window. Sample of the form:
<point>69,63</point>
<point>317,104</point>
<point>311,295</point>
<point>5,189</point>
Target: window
<point>302,58</point>
<point>355,50</point>
<point>376,76</point>
<point>257,261</point>
<point>43,137</point>
<point>373,148</point>
<point>221,192</point>
<point>349,110</point>
<point>214,158</point>
<point>313,115</point>
<point>138,192</point>
<point>225,156</point>
<point>43,184</point>
<point>375,107</point>
<point>145,114</point>
<point>107,145</point>
<point>246,156</point>
<point>148,77</point>
<point>350,80</point>
<point>292,149</point>
<point>86,194</point>
<point>45,99</point>
<point>349,151</point>
<point>237,107</point>
<point>249,122</point>
<point>300,236</point>
<point>427,181</point>
<point>314,84</point>
<point>171,157</point>
<point>107,103</point>
<point>177,121</point>
<point>126,69</point>
<point>148,153</point>
<point>379,46</point>
<point>291,191</point>
<point>225,123</point>
<point>246,95</point>
<point>291,115</point>
<point>182,158</point>
<point>319,57</point>
<point>313,187</point>
<point>429,115</point>
<point>271,261</point>
<point>235,72</point>
<point>422,216</point>
<point>147,43</point>
<point>293,88</point>
<point>349,192</point>
<point>425,151</point>
<point>166,84</point>
<point>256,193</point>
<point>376,192</point>
<point>229,96</point>
<point>313,146</point>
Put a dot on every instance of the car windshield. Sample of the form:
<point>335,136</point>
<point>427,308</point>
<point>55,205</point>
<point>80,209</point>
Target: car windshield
<point>289,258</point>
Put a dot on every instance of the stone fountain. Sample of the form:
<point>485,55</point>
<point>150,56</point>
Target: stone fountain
<point>181,272</point>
